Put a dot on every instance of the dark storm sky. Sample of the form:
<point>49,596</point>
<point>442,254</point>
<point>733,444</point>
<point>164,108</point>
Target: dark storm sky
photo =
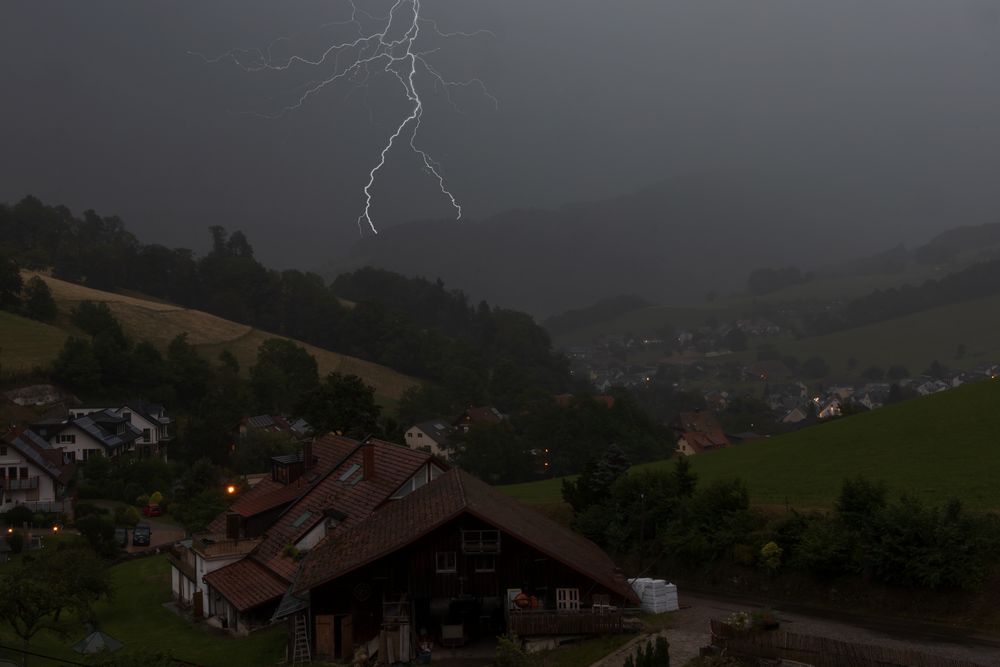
<point>889,105</point>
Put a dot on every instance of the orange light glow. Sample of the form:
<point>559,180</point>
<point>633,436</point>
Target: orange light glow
<point>55,529</point>
<point>231,489</point>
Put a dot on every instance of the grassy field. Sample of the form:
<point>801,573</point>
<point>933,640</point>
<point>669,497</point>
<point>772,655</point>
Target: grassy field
<point>26,343</point>
<point>137,617</point>
<point>913,341</point>
<point>158,322</point>
<point>934,447</point>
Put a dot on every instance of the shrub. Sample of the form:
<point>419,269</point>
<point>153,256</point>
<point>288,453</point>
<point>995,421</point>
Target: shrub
<point>510,654</point>
<point>18,516</point>
<point>770,557</point>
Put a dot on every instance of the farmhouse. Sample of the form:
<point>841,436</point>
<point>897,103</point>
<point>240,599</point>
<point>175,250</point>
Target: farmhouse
<point>454,561</point>
<point>32,473</point>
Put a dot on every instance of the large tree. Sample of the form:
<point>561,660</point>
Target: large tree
<point>341,404</point>
<point>283,374</point>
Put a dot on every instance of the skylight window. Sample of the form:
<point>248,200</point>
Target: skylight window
<point>302,519</point>
<point>350,471</point>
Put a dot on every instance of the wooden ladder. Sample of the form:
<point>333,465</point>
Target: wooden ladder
<point>300,642</point>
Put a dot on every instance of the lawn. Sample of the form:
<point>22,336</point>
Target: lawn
<point>136,616</point>
<point>934,447</point>
<point>913,341</point>
<point>26,343</point>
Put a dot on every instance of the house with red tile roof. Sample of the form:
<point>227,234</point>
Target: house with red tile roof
<point>455,560</point>
<point>237,572</point>
<point>478,415</point>
<point>698,431</point>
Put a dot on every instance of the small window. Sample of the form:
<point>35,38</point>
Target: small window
<point>3,450</point>
<point>66,439</point>
<point>484,563</point>
<point>24,473</point>
<point>409,435</point>
<point>420,435</point>
<point>446,561</point>
<point>567,599</point>
<point>127,416</point>
<point>302,518</point>
<point>145,435</point>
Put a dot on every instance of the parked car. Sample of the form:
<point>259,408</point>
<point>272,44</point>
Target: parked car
<point>152,510</point>
<point>141,534</point>
<point>121,537</point>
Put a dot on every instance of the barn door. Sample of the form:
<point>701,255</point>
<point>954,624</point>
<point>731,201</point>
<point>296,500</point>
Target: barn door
<point>346,638</point>
<point>324,636</point>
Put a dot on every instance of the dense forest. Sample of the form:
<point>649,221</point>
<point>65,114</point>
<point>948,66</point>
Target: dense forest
<point>478,354</point>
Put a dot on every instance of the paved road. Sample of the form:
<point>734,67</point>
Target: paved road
<point>690,631</point>
<point>162,533</point>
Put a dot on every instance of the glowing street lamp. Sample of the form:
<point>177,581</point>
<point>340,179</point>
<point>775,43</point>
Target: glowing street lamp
<point>231,489</point>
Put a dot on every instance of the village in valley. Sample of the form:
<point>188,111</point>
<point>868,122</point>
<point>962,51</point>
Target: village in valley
<point>383,333</point>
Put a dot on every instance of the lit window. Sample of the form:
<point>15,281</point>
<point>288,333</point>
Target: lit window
<point>446,561</point>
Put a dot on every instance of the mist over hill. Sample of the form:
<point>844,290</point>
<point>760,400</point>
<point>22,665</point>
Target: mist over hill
<point>676,242</point>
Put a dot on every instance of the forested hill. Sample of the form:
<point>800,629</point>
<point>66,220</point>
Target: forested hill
<point>477,353</point>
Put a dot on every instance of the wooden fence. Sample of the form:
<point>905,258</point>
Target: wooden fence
<point>822,651</point>
<point>546,622</point>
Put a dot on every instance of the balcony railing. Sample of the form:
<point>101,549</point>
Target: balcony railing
<point>550,622</point>
<point>20,484</point>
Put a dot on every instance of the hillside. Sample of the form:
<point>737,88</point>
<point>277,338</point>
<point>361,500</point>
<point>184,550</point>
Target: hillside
<point>26,343</point>
<point>935,447</point>
<point>159,323</point>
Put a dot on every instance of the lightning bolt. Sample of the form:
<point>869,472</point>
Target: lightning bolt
<point>395,48</point>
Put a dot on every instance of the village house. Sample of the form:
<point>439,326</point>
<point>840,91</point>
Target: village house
<point>150,419</point>
<point>33,473</point>
<point>698,431</point>
<point>434,436</point>
<point>100,433</point>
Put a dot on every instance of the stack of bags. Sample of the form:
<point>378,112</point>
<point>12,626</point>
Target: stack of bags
<point>656,595</point>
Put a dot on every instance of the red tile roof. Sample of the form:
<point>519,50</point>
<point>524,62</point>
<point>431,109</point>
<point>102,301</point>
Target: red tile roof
<point>246,584</point>
<point>481,415</point>
<point>455,493</point>
<point>703,441</point>
<point>267,494</point>
<point>354,497</point>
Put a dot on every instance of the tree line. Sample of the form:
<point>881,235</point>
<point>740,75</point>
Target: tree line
<point>665,518</point>
<point>480,353</point>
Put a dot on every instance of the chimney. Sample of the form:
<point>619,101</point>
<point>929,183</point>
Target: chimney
<point>368,460</point>
<point>233,526</point>
<point>307,454</point>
